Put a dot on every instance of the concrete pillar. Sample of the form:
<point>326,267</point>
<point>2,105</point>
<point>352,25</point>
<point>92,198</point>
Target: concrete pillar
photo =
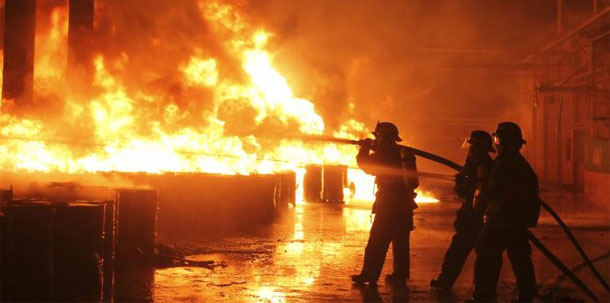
<point>79,37</point>
<point>19,36</point>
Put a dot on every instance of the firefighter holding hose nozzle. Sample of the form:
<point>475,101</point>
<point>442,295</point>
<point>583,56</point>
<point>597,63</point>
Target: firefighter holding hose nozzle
<point>468,184</point>
<point>393,207</point>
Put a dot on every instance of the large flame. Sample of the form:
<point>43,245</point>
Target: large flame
<point>122,128</point>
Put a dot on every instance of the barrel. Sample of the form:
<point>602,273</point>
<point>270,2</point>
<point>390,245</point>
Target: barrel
<point>6,195</point>
<point>312,183</point>
<point>193,204</point>
<point>286,189</point>
<point>77,251</point>
<point>256,204</point>
<point>334,180</point>
<point>27,239</point>
<point>136,226</point>
<point>109,236</point>
<point>136,236</point>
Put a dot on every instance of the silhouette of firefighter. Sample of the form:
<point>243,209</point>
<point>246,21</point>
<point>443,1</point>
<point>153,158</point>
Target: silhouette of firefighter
<point>393,207</point>
<point>469,221</point>
<point>512,191</point>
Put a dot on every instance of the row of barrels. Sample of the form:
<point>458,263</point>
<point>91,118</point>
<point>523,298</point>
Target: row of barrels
<point>74,250</point>
<point>325,183</point>
<point>196,205</point>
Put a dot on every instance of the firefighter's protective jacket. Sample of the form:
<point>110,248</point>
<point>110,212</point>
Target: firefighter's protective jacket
<point>512,191</point>
<point>468,186</point>
<point>395,193</point>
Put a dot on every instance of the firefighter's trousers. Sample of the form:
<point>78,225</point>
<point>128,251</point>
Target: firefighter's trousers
<point>492,242</point>
<point>386,228</point>
<point>462,243</point>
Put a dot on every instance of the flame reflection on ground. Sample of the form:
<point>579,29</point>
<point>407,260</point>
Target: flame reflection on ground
<point>312,250</point>
<point>306,256</point>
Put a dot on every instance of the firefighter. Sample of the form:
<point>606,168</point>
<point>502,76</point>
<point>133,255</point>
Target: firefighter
<point>468,184</point>
<point>393,207</point>
<point>512,191</point>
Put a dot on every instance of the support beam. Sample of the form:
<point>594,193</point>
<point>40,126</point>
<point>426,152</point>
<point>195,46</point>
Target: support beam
<point>79,33</point>
<point>602,15</point>
<point>19,36</point>
<point>559,17</point>
<point>580,89</point>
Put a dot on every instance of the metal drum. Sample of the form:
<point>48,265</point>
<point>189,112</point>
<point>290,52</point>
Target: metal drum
<point>77,251</point>
<point>255,196</point>
<point>137,220</point>
<point>109,236</point>
<point>191,204</point>
<point>312,183</point>
<point>286,190</point>
<point>136,236</point>
<point>6,195</point>
<point>27,255</point>
<point>334,180</point>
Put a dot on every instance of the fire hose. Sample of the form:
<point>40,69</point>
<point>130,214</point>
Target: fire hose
<point>417,152</point>
<point>535,241</point>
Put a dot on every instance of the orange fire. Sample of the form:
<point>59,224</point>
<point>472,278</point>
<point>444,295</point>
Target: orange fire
<point>122,128</point>
<point>51,54</point>
<point>365,188</point>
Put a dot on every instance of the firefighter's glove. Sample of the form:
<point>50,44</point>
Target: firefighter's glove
<point>366,143</point>
<point>463,186</point>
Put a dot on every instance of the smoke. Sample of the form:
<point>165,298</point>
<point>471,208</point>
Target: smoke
<point>401,61</point>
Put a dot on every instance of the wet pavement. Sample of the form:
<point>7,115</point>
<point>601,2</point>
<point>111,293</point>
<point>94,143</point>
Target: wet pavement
<point>310,251</point>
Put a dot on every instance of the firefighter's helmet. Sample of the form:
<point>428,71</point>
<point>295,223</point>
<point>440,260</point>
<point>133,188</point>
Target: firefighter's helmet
<point>509,131</point>
<point>480,138</point>
<point>387,130</point>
